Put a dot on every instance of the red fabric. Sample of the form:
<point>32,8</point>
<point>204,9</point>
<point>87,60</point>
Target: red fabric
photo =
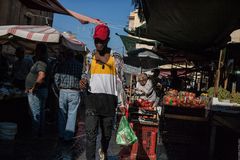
<point>101,32</point>
<point>56,7</point>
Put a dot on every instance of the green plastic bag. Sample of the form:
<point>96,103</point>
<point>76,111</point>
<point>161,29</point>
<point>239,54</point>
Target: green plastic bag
<point>125,134</point>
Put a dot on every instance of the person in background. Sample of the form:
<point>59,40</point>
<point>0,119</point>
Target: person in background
<point>67,79</point>
<point>157,83</point>
<point>144,88</point>
<point>36,85</point>
<point>175,80</point>
<point>53,90</point>
<point>21,68</point>
<point>102,98</point>
<point>3,65</point>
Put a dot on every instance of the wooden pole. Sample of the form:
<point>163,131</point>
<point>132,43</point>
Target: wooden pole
<point>201,81</point>
<point>195,82</point>
<point>186,75</point>
<point>218,72</point>
<point>225,83</point>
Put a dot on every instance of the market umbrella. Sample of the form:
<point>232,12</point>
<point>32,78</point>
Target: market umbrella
<point>144,59</point>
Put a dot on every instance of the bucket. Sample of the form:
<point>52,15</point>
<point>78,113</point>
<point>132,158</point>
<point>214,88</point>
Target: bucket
<point>8,130</point>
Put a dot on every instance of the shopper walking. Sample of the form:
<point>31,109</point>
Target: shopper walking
<point>67,78</point>
<point>102,98</point>
<point>36,86</point>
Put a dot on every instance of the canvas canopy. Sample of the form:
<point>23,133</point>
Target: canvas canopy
<point>190,25</point>
<point>28,35</point>
<point>130,42</point>
<point>56,7</point>
<point>143,58</point>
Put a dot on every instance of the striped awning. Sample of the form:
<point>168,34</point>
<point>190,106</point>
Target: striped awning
<point>28,35</point>
<point>33,33</point>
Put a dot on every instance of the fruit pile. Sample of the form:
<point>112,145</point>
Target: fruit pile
<point>185,99</point>
<point>141,103</point>
<point>222,93</point>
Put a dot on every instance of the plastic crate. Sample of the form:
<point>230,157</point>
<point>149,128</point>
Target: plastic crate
<point>145,147</point>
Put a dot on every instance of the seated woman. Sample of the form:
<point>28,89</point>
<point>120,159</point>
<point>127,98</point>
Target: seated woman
<point>144,89</point>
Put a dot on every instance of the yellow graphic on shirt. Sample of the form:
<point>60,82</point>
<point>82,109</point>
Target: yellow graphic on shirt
<point>108,68</point>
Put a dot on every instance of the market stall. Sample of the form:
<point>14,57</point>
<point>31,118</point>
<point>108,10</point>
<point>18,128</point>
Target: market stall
<point>28,36</point>
<point>192,121</point>
<point>13,101</point>
<point>202,41</point>
<point>143,114</point>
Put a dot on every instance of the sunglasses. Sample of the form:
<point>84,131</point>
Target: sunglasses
<point>99,41</point>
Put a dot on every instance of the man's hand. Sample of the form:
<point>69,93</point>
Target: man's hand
<point>122,108</point>
<point>83,83</point>
<point>30,90</point>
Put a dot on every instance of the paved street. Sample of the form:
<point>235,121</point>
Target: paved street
<point>49,148</point>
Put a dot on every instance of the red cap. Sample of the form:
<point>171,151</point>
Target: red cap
<point>101,32</point>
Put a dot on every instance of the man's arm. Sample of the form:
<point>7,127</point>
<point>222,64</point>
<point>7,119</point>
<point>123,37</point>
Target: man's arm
<point>85,74</point>
<point>40,80</point>
<point>103,59</point>
<point>149,88</point>
<point>121,93</point>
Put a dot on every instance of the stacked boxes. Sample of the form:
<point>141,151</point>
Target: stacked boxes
<point>145,122</point>
<point>145,147</point>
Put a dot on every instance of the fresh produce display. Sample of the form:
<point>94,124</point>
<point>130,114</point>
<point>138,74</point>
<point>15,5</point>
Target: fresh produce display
<point>172,92</point>
<point>200,102</point>
<point>185,99</point>
<point>141,103</point>
<point>235,98</point>
<point>188,94</point>
<point>222,93</point>
<point>170,100</point>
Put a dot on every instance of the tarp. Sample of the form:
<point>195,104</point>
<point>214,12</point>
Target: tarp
<point>142,58</point>
<point>56,7</point>
<point>130,42</point>
<point>134,70</point>
<point>28,35</point>
<point>191,25</point>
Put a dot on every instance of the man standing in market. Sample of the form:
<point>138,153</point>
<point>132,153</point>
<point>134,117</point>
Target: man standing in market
<point>21,68</point>
<point>103,92</point>
<point>36,86</point>
<point>3,65</point>
<point>157,83</point>
<point>67,79</point>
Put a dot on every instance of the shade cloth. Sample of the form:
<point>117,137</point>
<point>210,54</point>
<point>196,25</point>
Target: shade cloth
<point>143,58</point>
<point>191,25</point>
